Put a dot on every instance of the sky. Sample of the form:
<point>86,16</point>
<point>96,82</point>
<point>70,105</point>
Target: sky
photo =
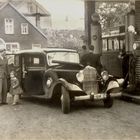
<point>66,14</point>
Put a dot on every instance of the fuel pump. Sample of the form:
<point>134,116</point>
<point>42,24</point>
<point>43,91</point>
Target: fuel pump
<point>96,39</point>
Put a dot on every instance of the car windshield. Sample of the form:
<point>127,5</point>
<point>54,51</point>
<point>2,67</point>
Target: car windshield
<point>68,57</point>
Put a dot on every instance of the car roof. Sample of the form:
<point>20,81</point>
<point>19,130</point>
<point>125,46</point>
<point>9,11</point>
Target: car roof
<point>43,50</point>
<point>59,49</point>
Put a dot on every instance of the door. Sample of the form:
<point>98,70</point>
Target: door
<point>33,67</point>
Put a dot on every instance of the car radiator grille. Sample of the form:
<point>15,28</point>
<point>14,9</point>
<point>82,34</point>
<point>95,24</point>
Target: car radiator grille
<point>90,83</point>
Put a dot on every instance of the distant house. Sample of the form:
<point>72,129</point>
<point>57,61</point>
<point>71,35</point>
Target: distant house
<point>17,32</point>
<point>33,11</point>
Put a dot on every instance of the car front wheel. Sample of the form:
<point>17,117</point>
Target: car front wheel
<point>108,103</point>
<point>65,100</point>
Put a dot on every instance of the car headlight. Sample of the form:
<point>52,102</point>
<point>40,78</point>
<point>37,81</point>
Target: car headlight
<point>105,75</point>
<point>49,82</point>
<point>80,76</point>
<point>134,46</point>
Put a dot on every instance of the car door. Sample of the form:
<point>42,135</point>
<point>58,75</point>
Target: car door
<point>20,69</point>
<point>33,67</point>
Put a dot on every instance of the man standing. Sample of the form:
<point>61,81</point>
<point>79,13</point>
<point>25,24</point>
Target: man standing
<point>92,59</point>
<point>3,76</point>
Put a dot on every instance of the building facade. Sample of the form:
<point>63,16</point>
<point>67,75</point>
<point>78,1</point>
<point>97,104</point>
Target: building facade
<point>17,32</point>
<point>33,11</point>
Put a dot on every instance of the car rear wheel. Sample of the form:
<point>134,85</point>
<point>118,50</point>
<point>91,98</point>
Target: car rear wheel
<point>65,100</point>
<point>108,103</point>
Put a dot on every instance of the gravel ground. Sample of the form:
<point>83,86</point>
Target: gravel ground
<point>36,119</point>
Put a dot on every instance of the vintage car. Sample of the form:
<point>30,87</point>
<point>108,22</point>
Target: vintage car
<point>55,73</point>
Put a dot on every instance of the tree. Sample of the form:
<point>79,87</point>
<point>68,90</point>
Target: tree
<point>111,14</point>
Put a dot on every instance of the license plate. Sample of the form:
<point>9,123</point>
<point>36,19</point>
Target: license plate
<point>99,96</point>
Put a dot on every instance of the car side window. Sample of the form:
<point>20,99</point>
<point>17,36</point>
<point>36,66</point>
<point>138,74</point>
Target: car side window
<point>34,60</point>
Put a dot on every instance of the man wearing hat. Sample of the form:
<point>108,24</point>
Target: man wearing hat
<point>3,76</point>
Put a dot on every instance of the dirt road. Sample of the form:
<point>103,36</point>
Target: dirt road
<point>37,120</point>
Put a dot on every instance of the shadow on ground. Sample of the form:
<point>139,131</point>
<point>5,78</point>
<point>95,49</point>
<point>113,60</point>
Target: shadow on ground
<point>75,106</point>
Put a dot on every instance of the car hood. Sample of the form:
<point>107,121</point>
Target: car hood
<point>67,71</point>
<point>67,65</point>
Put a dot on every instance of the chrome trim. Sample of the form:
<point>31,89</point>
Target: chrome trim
<point>99,96</point>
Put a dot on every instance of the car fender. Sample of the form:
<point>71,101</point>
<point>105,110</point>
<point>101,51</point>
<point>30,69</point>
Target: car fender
<point>69,86</point>
<point>113,86</point>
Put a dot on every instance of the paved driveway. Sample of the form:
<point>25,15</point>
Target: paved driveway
<point>35,119</point>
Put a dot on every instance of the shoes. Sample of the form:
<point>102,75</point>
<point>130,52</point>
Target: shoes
<point>14,104</point>
<point>17,103</point>
<point>4,103</point>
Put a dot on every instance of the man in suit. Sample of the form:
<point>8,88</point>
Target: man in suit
<point>92,60</point>
<point>4,73</point>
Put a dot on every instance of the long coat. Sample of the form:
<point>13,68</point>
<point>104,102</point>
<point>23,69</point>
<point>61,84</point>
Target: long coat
<point>4,68</point>
<point>4,73</point>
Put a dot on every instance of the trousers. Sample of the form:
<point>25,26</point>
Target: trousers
<point>3,90</point>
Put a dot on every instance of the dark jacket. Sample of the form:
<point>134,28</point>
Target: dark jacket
<point>92,60</point>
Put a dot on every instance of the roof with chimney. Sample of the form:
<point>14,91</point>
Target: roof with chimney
<point>19,3</point>
<point>14,8</point>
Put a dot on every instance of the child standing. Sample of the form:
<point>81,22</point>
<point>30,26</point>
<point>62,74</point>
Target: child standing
<point>15,89</point>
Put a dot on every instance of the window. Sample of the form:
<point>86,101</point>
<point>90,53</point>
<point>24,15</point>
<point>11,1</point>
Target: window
<point>116,44</point>
<point>24,28</point>
<point>9,26</point>
<point>64,57</point>
<point>34,60</point>
<point>104,45</point>
<point>30,7</point>
<point>36,46</point>
<point>12,46</point>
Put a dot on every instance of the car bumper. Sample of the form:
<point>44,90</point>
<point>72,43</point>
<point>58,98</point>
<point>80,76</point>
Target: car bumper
<point>99,96</point>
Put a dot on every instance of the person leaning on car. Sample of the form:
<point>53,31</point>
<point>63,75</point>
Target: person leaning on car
<point>3,76</point>
<point>92,59</point>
